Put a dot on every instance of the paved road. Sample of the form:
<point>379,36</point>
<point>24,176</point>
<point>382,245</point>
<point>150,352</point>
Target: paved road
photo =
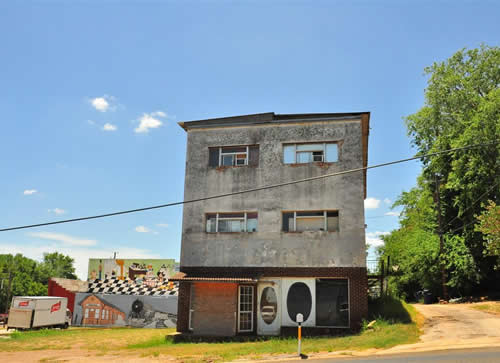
<point>491,355</point>
<point>454,327</point>
<point>457,322</point>
<point>451,333</point>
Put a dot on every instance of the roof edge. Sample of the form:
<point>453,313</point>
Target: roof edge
<point>267,118</point>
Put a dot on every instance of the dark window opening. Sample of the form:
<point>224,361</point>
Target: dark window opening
<point>232,222</point>
<point>310,221</point>
<point>332,302</point>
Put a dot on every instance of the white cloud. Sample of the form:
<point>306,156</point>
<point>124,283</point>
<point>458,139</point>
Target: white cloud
<point>159,114</point>
<point>372,203</point>
<point>64,238</point>
<point>163,225</point>
<point>80,254</point>
<point>373,238</point>
<point>57,211</point>
<point>387,201</point>
<point>142,229</point>
<point>109,127</point>
<point>30,191</point>
<point>149,121</point>
<point>100,104</point>
<point>103,103</point>
<point>392,214</point>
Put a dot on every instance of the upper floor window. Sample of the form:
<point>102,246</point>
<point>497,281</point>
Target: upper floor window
<point>311,221</point>
<point>308,153</point>
<point>232,222</point>
<point>233,156</point>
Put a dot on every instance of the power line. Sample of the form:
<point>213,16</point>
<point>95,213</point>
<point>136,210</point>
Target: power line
<point>473,203</point>
<point>248,190</point>
<point>382,216</point>
<point>462,227</point>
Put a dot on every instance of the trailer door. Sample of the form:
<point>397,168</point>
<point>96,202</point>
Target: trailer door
<point>50,312</point>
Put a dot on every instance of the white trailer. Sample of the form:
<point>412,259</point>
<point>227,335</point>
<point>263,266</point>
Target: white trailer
<point>33,312</point>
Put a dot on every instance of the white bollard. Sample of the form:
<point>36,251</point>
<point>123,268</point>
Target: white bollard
<point>300,320</point>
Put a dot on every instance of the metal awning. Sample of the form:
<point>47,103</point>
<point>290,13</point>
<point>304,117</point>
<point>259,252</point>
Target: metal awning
<point>183,277</point>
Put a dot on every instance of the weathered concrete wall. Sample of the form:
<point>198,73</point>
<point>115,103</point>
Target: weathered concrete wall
<point>215,306</point>
<point>270,246</point>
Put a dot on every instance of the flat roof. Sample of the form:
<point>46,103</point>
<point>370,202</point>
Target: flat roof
<point>269,118</point>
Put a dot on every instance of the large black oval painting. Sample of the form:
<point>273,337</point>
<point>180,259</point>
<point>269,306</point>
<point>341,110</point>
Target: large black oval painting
<point>299,300</point>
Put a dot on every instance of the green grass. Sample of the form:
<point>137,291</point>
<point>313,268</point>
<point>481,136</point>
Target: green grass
<point>19,336</point>
<point>397,323</point>
<point>93,339</point>
<point>490,307</point>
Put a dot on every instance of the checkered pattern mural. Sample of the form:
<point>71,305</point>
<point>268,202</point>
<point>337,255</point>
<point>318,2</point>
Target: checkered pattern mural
<point>128,287</point>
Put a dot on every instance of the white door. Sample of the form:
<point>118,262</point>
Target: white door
<point>269,307</point>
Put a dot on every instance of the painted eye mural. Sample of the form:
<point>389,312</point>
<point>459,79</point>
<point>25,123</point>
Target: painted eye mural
<point>268,305</point>
<point>299,300</point>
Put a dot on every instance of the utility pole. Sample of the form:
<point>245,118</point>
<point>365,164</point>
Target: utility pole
<point>441,239</point>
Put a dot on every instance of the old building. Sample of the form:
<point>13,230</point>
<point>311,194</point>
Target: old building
<point>250,262</point>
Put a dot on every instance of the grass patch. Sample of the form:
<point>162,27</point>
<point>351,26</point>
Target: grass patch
<point>93,339</point>
<point>490,307</point>
<point>397,323</point>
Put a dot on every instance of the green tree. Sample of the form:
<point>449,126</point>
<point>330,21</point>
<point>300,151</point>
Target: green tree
<point>462,107</point>
<point>489,226</point>
<point>414,247</point>
<point>29,277</point>
<point>55,265</point>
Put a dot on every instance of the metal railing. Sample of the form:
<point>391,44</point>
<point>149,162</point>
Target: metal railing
<point>378,266</point>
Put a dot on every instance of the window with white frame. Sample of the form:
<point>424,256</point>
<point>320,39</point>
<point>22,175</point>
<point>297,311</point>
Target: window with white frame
<point>245,308</point>
<point>191,310</point>
<point>232,222</point>
<point>301,221</point>
<point>227,156</point>
<point>308,153</point>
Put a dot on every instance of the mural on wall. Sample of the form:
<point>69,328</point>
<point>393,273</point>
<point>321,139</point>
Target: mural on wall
<point>142,271</point>
<point>125,310</point>
<point>98,311</point>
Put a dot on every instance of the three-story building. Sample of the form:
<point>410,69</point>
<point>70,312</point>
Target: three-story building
<point>251,262</point>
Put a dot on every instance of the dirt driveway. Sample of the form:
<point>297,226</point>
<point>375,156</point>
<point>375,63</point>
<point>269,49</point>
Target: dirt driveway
<point>454,326</point>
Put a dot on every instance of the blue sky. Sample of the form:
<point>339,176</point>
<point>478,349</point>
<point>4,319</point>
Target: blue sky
<point>91,93</point>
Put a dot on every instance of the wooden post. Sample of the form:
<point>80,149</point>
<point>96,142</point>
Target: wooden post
<point>441,240</point>
<point>9,291</point>
<point>382,269</point>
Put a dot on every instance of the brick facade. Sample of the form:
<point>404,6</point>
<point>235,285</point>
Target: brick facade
<point>215,308</point>
<point>54,289</point>
<point>358,285</point>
